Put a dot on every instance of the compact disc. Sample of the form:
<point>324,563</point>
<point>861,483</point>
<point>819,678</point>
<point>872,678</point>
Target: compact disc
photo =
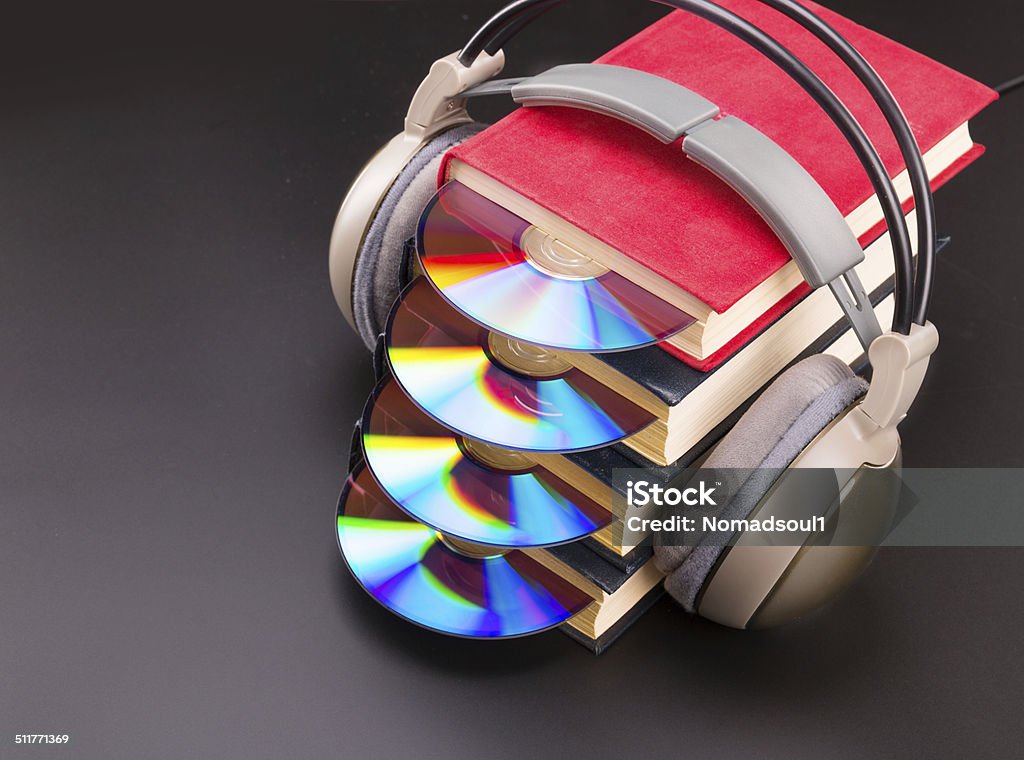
<point>462,376</point>
<point>513,278</point>
<point>466,489</point>
<point>415,572</point>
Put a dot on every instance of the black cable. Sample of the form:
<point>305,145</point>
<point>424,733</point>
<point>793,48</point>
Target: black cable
<point>503,22</point>
<point>524,19</point>
<point>509,20</point>
<point>909,149</point>
<point>1006,87</point>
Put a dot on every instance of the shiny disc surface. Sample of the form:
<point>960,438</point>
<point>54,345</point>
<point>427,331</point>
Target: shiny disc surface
<point>442,361</point>
<point>406,567</point>
<point>425,469</point>
<point>472,250</point>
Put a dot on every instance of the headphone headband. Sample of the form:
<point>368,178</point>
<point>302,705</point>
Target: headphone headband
<point>788,198</point>
<point>911,299</point>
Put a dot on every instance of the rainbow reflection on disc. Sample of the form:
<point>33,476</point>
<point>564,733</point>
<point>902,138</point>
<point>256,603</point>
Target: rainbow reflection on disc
<point>472,250</point>
<point>405,566</point>
<point>424,468</point>
<point>442,362</point>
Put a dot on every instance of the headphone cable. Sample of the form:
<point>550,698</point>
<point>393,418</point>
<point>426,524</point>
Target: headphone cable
<point>1009,86</point>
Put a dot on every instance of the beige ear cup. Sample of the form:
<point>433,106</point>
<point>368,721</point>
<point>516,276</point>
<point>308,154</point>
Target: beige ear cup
<point>743,586</point>
<point>816,574</point>
<point>753,585</point>
<point>357,212</point>
<point>377,278</point>
<point>434,111</point>
<point>366,252</point>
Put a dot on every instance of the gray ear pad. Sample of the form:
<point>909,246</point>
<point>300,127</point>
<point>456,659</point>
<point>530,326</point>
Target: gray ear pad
<point>790,414</point>
<point>375,282</point>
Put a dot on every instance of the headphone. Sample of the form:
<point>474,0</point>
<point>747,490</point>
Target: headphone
<point>816,414</point>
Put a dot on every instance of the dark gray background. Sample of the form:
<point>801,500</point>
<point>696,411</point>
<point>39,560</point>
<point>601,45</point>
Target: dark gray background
<point>177,391</point>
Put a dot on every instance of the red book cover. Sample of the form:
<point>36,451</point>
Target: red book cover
<point>678,219</point>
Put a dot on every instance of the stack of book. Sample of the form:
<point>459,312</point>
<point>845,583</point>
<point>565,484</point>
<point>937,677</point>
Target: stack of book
<point>599,189</point>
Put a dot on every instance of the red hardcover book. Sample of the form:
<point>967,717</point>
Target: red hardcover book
<point>699,243</point>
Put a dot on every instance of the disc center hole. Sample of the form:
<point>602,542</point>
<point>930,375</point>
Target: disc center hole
<point>495,456</point>
<point>525,357</point>
<point>469,549</point>
<point>557,259</point>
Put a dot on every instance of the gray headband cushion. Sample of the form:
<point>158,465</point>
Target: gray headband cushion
<point>790,414</point>
<point>375,283</point>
